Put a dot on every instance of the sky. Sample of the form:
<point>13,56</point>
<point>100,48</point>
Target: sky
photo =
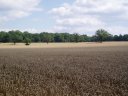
<point>72,16</point>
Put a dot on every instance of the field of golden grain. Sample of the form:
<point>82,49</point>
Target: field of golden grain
<point>85,70</point>
<point>63,45</point>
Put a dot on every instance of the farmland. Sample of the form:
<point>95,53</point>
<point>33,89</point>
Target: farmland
<point>64,45</point>
<point>76,69</point>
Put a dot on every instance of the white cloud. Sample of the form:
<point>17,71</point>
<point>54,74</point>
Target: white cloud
<point>117,30</point>
<point>12,9</point>
<point>31,30</point>
<point>103,6</point>
<point>65,9</point>
<point>80,21</point>
<point>90,15</point>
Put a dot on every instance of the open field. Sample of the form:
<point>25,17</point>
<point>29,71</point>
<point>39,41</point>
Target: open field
<point>90,70</point>
<point>63,45</point>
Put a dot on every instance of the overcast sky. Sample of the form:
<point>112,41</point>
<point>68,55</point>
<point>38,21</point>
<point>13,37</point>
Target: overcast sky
<point>82,16</point>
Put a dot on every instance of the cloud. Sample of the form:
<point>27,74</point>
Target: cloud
<point>104,6</point>
<point>13,9</point>
<point>117,30</point>
<point>86,16</point>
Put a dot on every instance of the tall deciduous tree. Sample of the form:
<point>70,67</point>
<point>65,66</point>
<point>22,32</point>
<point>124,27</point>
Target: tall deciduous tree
<point>15,36</point>
<point>46,37</point>
<point>102,35</point>
<point>27,41</point>
<point>76,37</point>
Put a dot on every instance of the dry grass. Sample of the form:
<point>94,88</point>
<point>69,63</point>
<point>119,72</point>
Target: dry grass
<point>93,71</point>
<point>63,45</point>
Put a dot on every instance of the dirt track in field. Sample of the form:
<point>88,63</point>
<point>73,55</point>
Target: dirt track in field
<point>86,71</point>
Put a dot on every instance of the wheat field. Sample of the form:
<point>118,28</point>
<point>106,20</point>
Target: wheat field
<point>45,70</point>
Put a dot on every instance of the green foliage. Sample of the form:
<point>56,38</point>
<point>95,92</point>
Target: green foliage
<point>27,35</point>
<point>46,37</point>
<point>27,41</point>
<point>59,37</point>
<point>36,37</point>
<point>102,35</point>
<point>125,37</point>
<point>17,36</point>
<point>81,38</point>
<point>76,37</point>
<point>4,37</point>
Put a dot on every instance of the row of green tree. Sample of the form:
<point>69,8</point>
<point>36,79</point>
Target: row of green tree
<point>16,36</point>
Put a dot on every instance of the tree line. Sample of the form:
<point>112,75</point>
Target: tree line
<point>17,36</point>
